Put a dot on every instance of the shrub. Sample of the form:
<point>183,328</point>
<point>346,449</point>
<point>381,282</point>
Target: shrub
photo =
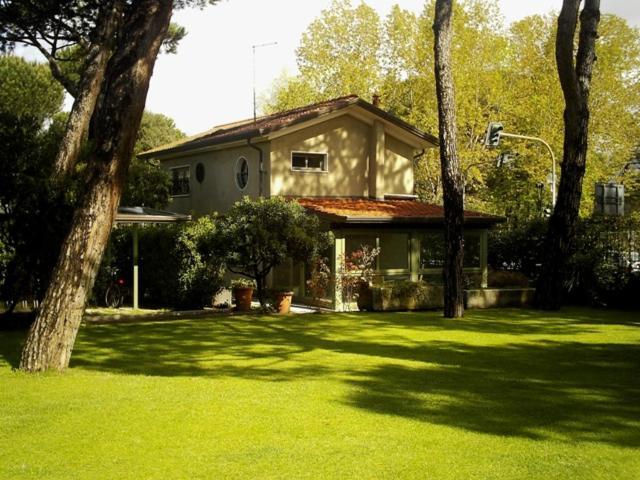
<point>257,235</point>
<point>604,269</point>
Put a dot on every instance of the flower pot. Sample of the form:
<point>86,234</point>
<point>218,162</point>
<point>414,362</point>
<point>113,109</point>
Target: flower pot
<point>365,297</point>
<point>243,296</point>
<point>282,302</point>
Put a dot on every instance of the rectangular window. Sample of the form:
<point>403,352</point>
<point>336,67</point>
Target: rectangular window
<point>394,251</point>
<point>309,162</point>
<point>432,250</point>
<point>180,181</point>
<point>471,250</point>
<point>356,242</point>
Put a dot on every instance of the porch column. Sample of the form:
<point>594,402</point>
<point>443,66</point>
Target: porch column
<point>484,253</point>
<point>376,161</point>
<point>135,267</point>
<point>338,254</point>
<point>414,256</point>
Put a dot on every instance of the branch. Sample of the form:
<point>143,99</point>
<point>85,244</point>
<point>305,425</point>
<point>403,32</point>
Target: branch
<point>53,65</point>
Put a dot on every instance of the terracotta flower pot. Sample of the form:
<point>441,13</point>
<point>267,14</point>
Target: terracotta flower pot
<point>243,296</point>
<point>282,302</point>
<point>365,297</point>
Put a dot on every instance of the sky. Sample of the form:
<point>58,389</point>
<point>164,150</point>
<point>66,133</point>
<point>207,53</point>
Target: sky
<point>209,81</point>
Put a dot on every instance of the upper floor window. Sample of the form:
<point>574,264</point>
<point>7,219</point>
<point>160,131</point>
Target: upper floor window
<point>242,173</point>
<point>309,162</point>
<point>180,181</point>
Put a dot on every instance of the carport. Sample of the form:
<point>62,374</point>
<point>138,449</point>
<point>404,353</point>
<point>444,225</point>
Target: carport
<point>137,216</point>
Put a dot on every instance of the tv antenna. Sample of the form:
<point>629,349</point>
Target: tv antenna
<point>253,47</point>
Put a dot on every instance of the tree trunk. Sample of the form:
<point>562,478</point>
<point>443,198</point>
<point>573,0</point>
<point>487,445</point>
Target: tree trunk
<point>114,125</point>
<point>88,89</point>
<point>575,83</point>
<point>452,188</point>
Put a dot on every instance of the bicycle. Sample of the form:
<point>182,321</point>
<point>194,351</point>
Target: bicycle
<point>116,293</point>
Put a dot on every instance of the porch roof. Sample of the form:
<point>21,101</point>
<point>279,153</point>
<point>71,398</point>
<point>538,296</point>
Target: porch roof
<point>372,211</point>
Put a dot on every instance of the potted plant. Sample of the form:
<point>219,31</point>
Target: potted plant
<point>357,272</point>
<point>242,289</point>
<point>282,301</point>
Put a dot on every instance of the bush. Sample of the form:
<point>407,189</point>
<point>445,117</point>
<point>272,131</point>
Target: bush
<point>604,268</point>
<point>257,235</point>
<point>407,295</point>
<point>178,268</point>
<point>503,278</point>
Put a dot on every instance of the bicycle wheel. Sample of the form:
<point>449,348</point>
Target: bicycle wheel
<point>113,297</point>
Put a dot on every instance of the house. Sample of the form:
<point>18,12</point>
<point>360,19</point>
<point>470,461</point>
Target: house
<point>345,160</point>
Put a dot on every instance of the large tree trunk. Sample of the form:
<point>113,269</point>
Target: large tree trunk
<point>88,89</point>
<point>114,125</point>
<point>575,82</point>
<point>452,187</point>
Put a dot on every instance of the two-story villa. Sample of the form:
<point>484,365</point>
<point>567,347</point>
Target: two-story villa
<point>345,160</point>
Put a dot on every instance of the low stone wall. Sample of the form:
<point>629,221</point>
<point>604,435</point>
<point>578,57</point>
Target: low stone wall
<point>431,297</point>
<point>498,297</point>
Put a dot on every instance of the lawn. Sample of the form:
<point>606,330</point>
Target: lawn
<point>500,394</point>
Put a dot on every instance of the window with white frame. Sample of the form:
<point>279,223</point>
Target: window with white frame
<point>180,181</point>
<point>309,162</point>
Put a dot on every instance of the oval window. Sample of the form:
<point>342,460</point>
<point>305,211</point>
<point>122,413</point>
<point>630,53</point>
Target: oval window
<point>200,172</point>
<point>242,173</point>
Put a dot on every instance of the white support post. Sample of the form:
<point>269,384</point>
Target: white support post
<point>135,267</point>
<point>338,254</point>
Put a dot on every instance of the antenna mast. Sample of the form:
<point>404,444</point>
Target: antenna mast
<point>253,48</point>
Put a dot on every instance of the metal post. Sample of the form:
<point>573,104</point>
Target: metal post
<point>135,267</point>
<point>553,160</point>
<point>253,48</point>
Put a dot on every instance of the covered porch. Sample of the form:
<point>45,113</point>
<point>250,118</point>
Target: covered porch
<point>410,237</point>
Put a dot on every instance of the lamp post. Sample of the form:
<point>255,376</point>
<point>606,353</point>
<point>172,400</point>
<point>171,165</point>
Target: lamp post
<point>495,131</point>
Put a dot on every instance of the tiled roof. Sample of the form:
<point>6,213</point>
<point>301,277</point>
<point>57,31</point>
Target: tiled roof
<point>271,123</point>
<point>366,210</point>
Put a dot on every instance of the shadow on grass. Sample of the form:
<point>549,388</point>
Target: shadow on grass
<point>545,386</point>
<point>568,391</point>
<point>11,346</point>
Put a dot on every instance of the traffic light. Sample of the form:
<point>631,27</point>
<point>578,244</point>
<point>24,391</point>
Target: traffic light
<point>493,134</point>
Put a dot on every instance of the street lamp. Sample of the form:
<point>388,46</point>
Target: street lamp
<point>495,131</point>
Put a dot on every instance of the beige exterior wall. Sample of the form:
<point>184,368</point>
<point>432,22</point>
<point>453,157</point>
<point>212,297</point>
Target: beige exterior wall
<point>346,142</point>
<point>219,190</point>
<point>397,172</point>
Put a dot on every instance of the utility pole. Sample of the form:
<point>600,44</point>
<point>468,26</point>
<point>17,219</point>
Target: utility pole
<point>253,48</point>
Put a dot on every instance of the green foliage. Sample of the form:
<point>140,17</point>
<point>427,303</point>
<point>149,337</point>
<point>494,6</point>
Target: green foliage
<point>28,89</point>
<point>177,265</point>
<point>156,129</point>
<point>256,235</point>
<point>33,213</point>
<point>338,55</point>
<point>242,283</point>
<point>604,270</point>
<point>148,184</point>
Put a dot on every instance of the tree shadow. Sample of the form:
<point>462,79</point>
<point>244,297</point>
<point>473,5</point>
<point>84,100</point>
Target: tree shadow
<point>567,391</point>
<point>543,386</point>
<point>11,346</point>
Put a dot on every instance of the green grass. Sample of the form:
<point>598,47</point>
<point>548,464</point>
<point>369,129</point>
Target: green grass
<point>499,394</point>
